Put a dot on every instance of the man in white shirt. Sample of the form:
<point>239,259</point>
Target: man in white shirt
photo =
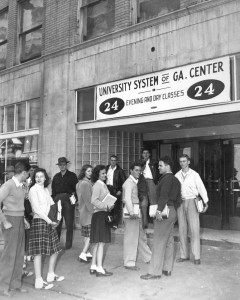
<point>191,187</point>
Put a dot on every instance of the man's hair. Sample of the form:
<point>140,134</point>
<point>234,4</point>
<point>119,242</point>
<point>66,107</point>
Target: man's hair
<point>114,156</point>
<point>135,164</point>
<point>34,167</point>
<point>146,149</point>
<point>83,171</point>
<point>96,172</point>
<point>185,156</point>
<point>21,166</point>
<point>167,161</point>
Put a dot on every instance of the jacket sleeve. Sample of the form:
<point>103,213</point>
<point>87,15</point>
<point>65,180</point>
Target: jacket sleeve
<point>4,191</point>
<point>163,192</point>
<point>33,198</point>
<point>201,188</point>
<point>127,197</point>
<point>54,193</point>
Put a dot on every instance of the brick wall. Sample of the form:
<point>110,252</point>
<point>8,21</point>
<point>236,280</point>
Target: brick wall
<point>3,4</point>
<point>57,20</point>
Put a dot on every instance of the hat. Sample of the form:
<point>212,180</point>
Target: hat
<point>9,169</point>
<point>62,160</point>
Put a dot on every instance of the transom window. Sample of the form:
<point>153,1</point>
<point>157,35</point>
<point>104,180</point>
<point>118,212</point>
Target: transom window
<point>31,18</point>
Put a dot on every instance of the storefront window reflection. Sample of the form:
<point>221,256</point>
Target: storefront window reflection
<point>17,149</point>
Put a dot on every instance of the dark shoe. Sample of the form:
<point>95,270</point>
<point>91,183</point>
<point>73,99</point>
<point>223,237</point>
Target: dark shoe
<point>100,274</point>
<point>167,273</point>
<point>149,276</point>
<point>5,293</point>
<point>92,272</point>
<point>132,268</point>
<point>27,273</point>
<point>20,290</point>
<point>197,262</point>
<point>179,260</point>
<point>114,227</point>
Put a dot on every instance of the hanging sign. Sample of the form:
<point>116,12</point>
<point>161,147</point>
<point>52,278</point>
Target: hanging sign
<point>188,86</point>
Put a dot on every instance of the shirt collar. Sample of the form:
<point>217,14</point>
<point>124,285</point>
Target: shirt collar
<point>100,181</point>
<point>185,174</point>
<point>18,184</point>
<point>133,179</point>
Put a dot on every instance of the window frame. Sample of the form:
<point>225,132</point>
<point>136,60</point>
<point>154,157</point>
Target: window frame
<point>3,11</point>
<point>15,118</point>
<point>22,33</point>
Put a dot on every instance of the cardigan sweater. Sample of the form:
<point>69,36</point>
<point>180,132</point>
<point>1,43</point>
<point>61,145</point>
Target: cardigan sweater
<point>130,194</point>
<point>12,198</point>
<point>85,207</point>
<point>41,201</point>
<point>99,192</point>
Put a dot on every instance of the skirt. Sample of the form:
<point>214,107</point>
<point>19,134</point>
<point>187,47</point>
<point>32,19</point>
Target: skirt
<point>43,239</point>
<point>86,230</point>
<point>100,229</point>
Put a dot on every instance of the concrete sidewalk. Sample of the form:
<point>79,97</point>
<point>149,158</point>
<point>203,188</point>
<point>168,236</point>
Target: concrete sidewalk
<point>218,276</point>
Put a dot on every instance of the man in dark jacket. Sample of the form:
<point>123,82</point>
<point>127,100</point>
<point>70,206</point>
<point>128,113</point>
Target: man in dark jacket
<point>63,187</point>
<point>115,180</point>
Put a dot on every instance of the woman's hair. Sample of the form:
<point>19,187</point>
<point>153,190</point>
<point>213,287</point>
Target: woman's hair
<point>83,171</point>
<point>96,171</point>
<point>38,170</point>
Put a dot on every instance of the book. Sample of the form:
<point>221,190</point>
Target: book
<point>136,211</point>
<point>153,211</point>
<point>199,204</point>
<point>109,200</point>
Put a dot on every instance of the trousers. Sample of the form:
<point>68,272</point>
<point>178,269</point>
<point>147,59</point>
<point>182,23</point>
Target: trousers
<point>68,214</point>
<point>134,243</point>
<point>188,218</point>
<point>12,258</point>
<point>152,191</point>
<point>163,244</point>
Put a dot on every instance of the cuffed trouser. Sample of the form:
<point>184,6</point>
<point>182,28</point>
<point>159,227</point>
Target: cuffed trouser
<point>163,244</point>
<point>134,242</point>
<point>152,191</point>
<point>12,258</point>
<point>189,216</point>
<point>68,214</point>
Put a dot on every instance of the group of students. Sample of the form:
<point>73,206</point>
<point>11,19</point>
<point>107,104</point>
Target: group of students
<point>91,189</point>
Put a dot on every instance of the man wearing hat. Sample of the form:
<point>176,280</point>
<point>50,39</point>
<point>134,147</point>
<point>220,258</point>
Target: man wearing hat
<point>63,187</point>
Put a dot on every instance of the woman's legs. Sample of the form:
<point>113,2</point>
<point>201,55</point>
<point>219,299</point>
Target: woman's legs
<point>38,266</point>
<point>100,254</point>
<point>86,245</point>
<point>52,262</point>
<point>94,255</point>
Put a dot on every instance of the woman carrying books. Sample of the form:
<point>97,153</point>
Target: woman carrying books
<point>85,208</point>
<point>100,229</point>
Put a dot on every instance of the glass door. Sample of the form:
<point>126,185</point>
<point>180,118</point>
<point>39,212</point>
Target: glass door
<point>210,165</point>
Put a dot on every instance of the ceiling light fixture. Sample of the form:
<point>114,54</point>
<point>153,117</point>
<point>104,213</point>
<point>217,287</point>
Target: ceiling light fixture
<point>178,125</point>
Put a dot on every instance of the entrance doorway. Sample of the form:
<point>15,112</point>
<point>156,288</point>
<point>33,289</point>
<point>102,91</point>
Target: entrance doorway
<point>218,163</point>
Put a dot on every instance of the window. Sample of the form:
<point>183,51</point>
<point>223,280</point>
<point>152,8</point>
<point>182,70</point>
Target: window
<point>34,108</point>
<point>98,18</point>
<point>21,116</point>
<point>3,38</point>
<point>85,105</point>
<point>149,9</point>
<point>31,17</point>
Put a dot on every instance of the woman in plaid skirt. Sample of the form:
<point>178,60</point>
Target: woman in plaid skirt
<point>43,238</point>
<point>84,193</point>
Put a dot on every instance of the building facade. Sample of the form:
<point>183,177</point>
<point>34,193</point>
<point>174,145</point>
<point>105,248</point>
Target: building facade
<point>89,78</point>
